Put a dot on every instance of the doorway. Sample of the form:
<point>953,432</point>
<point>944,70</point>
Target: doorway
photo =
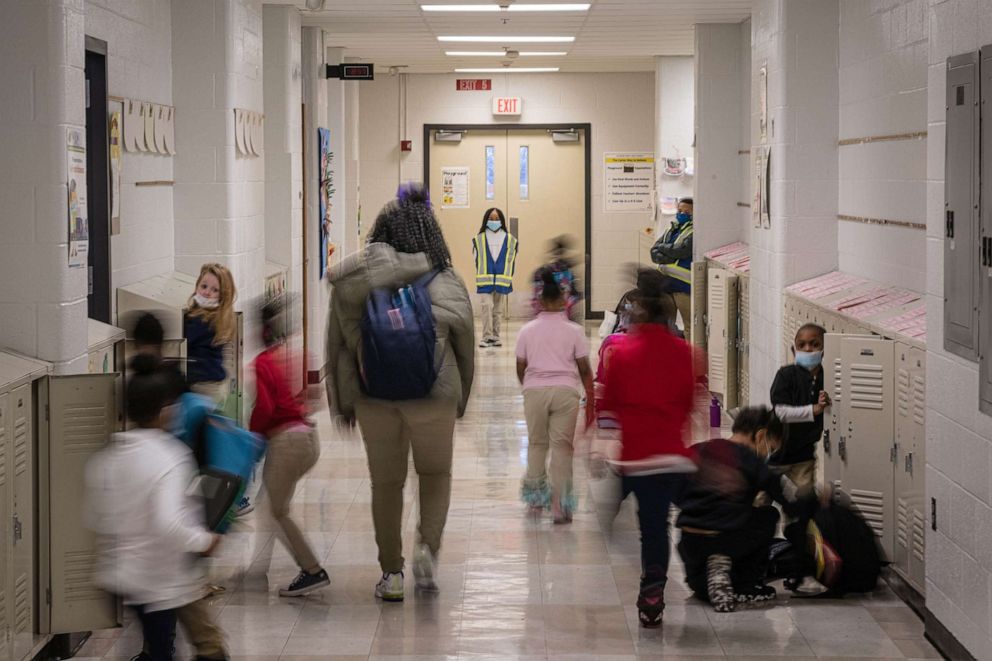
<point>537,175</point>
<point>97,181</point>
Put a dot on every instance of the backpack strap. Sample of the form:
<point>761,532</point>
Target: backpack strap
<point>426,279</point>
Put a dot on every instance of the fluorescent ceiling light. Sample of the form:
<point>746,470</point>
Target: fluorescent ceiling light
<point>573,6</point>
<point>505,40</point>
<point>501,53</point>
<point>509,70</point>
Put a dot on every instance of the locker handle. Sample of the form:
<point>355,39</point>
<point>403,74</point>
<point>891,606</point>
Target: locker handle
<point>893,451</point>
<point>909,462</point>
<point>985,251</point>
<point>18,532</point>
<point>949,224</point>
<point>842,449</point>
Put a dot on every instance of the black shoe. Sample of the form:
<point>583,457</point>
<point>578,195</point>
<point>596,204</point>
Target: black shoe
<point>141,656</point>
<point>755,595</point>
<point>305,583</point>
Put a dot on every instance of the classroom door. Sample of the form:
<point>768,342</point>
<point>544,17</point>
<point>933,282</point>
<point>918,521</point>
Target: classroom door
<point>538,182</point>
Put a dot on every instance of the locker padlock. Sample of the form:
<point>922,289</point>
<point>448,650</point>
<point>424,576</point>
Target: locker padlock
<point>826,441</point>
<point>909,462</point>
<point>842,449</point>
<point>893,451</point>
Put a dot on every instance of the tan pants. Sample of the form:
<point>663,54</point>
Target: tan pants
<point>390,430</point>
<point>215,390</point>
<point>288,457</point>
<point>492,315</point>
<point>551,414</point>
<point>202,630</point>
<point>683,302</point>
<point>803,475</point>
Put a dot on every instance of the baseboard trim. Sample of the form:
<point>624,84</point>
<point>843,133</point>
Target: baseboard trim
<point>913,598</point>
<point>944,641</point>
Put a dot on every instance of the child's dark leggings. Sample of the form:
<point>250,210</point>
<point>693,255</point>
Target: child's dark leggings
<point>655,495</point>
<point>159,631</point>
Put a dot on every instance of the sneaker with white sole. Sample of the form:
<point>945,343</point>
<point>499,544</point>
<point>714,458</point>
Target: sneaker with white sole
<point>245,507</point>
<point>306,583</point>
<point>425,568</point>
<point>390,586</point>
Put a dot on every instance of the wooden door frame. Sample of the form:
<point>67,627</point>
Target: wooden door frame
<point>587,128</point>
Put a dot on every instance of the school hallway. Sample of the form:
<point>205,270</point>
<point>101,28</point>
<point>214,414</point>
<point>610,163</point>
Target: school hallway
<point>512,587</point>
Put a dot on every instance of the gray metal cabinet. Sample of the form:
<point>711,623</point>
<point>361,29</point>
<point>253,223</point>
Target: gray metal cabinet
<point>985,269</point>
<point>961,198</point>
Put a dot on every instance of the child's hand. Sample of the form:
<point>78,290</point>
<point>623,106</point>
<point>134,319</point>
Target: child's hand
<point>590,411</point>
<point>822,403</point>
<point>213,546</point>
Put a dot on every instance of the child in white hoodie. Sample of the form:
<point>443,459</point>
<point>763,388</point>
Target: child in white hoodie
<point>148,519</point>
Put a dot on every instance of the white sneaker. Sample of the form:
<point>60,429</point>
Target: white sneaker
<point>810,587</point>
<point>425,568</point>
<point>390,586</point>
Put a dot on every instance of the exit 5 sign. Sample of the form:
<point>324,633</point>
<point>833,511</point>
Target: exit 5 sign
<point>507,105</point>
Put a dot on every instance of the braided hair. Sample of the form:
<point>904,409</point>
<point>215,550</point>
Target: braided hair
<point>409,225</point>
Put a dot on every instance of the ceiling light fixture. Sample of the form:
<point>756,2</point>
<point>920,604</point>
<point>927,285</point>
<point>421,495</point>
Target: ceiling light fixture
<point>508,70</point>
<point>573,6</point>
<point>501,40</point>
<point>502,53</point>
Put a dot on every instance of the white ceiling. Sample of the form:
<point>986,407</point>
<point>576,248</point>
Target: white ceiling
<point>613,35</point>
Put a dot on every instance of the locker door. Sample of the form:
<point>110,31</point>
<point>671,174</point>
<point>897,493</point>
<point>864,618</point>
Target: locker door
<point>832,383</point>
<point>985,273</point>
<point>867,423</point>
<point>917,471</point>
<point>905,447</point>
<point>961,198</point>
<point>743,340</point>
<point>722,312</point>
<point>81,416</point>
<point>22,521</point>
<point>5,536</point>
<point>700,316</point>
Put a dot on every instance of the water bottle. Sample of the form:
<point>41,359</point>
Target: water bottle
<point>715,417</point>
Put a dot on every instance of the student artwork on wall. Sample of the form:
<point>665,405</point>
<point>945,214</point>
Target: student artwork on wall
<point>147,127</point>
<point>454,188</point>
<point>248,132</point>
<point>325,171</point>
<point>116,145</point>
<point>79,233</point>
<point>760,203</point>
<point>763,104</point>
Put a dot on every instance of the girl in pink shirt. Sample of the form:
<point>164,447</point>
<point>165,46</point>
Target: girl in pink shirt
<point>552,361</point>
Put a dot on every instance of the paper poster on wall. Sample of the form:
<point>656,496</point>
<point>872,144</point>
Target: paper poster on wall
<point>326,173</point>
<point>763,104</point>
<point>148,113</point>
<point>79,233</point>
<point>490,172</point>
<point>454,188</point>
<point>629,181</point>
<point>116,164</point>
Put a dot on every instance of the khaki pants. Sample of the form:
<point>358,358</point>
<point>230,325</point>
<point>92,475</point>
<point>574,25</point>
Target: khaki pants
<point>215,390</point>
<point>803,475</point>
<point>202,630</point>
<point>290,454</point>
<point>492,315</point>
<point>683,302</point>
<point>390,430</point>
<point>551,414</point>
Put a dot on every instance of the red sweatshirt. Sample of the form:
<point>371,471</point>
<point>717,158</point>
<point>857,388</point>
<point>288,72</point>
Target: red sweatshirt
<point>650,387</point>
<point>275,405</point>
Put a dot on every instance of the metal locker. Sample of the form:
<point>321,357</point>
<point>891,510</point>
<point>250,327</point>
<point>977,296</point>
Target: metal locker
<point>21,476</point>
<point>917,470</point>
<point>866,441</point>
<point>832,383</point>
<point>961,197</point>
<point>5,517</point>
<point>722,335</point>
<point>985,272</point>
<point>80,417</point>
<point>743,340</point>
<point>699,316</point>
<point>908,503</point>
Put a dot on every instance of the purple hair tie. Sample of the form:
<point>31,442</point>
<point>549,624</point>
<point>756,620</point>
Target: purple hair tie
<point>413,192</point>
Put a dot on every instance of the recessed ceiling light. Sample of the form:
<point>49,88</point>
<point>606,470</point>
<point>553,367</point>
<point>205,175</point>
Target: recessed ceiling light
<point>572,6</point>
<point>502,53</point>
<point>508,70</point>
<point>506,40</point>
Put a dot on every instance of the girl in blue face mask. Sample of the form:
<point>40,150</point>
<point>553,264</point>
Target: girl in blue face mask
<point>495,254</point>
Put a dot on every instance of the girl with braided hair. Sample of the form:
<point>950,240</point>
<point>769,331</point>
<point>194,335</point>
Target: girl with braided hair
<point>405,244</point>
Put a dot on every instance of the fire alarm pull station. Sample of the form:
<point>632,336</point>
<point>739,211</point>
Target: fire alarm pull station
<point>351,71</point>
<point>406,145</point>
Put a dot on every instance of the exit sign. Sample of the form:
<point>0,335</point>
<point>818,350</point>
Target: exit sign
<point>476,85</point>
<point>507,105</point>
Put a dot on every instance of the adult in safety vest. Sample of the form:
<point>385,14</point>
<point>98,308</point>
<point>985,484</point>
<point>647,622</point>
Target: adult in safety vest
<point>495,252</point>
<point>673,253</point>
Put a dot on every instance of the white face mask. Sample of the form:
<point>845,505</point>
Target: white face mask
<point>206,303</point>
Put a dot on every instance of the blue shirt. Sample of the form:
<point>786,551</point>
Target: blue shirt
<point>206,361</point>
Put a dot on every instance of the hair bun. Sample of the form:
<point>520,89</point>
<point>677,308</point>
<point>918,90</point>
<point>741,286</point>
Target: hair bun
<point>144,364</point>
<point>413,193</point>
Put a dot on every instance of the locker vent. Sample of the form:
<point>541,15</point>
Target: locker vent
<point>22,605</point>
<point>902,393</point>
<point>4,652</point>
<point>718,366</point>
<point>903,524</point>
<point>22,446</point>
<point>919,399</point>
<point>871,504</point>
<point>867,386</point>
<point>919,534</point>
<point>85,428</point>
<point>79,569</point>
<point>718,297</point>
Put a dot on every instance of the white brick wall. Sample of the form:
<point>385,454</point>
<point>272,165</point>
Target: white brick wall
<point>959,437</point>
<point>620,108</point>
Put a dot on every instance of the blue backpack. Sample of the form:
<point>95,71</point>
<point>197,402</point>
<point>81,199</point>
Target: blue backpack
<point>396,357</point>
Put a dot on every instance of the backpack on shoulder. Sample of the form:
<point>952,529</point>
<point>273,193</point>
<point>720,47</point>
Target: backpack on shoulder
<point>396,357</point>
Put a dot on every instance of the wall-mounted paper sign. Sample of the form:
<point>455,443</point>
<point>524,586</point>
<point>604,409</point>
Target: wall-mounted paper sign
<point>79,232</point>
<point>454,188</point>
<point>629,181</point>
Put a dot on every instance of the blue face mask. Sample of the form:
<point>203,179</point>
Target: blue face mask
<point>494,225</point>
<point>809,359</point>
<point>683,217</point>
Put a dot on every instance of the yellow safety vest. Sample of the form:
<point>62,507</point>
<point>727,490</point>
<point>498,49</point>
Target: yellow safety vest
<point>492,273</point>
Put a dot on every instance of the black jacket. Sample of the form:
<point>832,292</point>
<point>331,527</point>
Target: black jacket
<point>797,386</point>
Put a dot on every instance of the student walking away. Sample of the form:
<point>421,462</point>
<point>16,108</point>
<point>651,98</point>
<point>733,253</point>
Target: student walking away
<point>293,446</point>
<point>552,358</point>
<point>725,539</point>
<point>650,386</point>
<point>563,268</point>
<point>673,253</point>
<point>150,528</point>
<point>400,347</point>
<point>799,400</point>
<point>495,254</point>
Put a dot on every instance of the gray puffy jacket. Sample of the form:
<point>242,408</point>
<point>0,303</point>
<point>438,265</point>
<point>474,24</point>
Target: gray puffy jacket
<point>380,265</point>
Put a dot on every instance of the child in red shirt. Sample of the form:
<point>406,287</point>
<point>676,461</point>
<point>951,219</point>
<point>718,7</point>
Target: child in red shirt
<point>293,447</point>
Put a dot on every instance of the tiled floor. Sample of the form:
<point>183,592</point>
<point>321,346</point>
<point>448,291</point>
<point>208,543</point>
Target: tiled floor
<point>512,587</point>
